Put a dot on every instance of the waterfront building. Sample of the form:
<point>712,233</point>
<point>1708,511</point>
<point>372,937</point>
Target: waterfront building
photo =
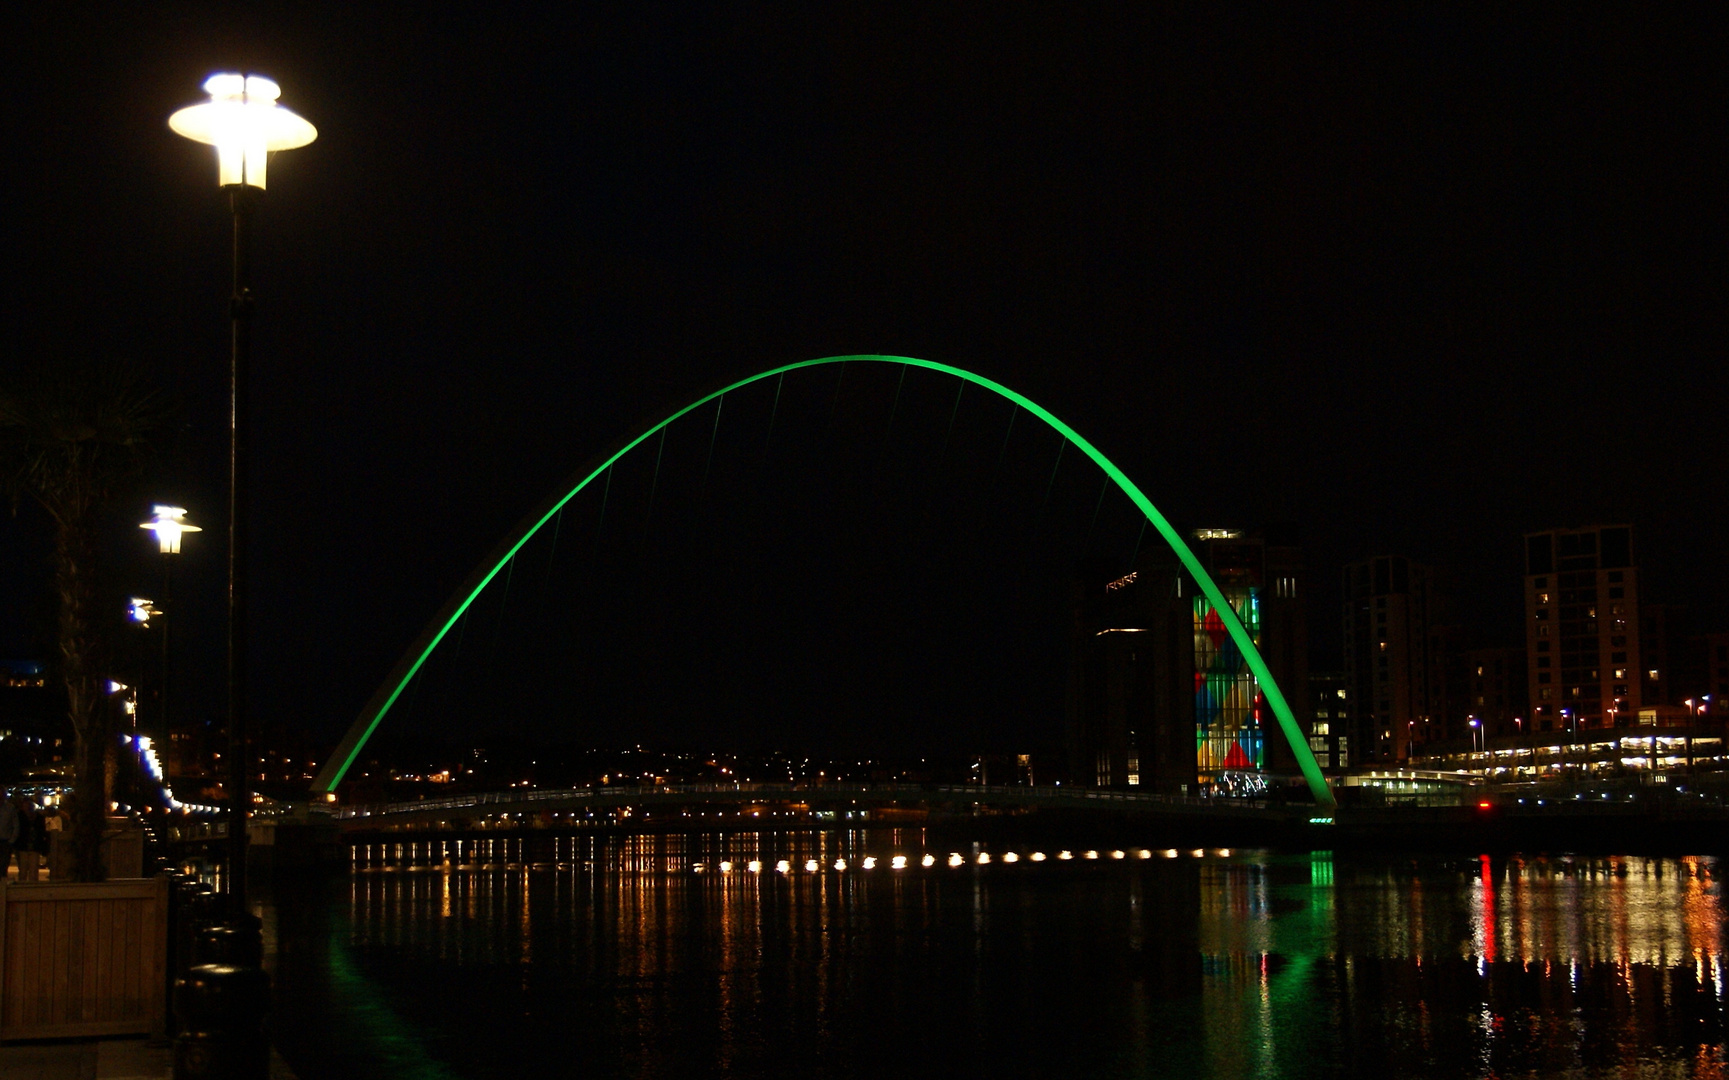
<point>1494,693</point>
<point>1717,673</point>
<point>1330,719</point>
<point>1394,638</point>
<point>1584,634</point>
<point>1665,746</point>
<point>1159,695</point>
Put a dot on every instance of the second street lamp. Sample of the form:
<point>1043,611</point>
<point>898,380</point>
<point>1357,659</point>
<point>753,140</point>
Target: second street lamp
<point>170,525</point>
<point>245,124</point>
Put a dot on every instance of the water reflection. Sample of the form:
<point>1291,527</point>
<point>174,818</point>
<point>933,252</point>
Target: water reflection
<point>638,956</point>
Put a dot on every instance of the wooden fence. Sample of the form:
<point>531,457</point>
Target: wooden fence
<point>83,959</point>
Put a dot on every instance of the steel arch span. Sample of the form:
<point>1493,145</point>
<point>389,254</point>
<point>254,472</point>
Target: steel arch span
<point>442,623</point>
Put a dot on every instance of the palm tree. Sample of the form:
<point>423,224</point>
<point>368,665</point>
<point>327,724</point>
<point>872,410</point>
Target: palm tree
<point>71,435</point>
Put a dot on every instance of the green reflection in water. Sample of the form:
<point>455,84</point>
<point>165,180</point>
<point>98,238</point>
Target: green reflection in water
<point>391,1042</point>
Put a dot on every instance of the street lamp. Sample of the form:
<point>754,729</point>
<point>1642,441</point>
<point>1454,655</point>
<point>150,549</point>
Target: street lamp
<point>1476,732</point>
<point>1572,727</point>
<point>170,526</point>
<point>245,124</point>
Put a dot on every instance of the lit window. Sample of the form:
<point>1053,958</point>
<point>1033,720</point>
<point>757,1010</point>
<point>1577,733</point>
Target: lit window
<point>1323,729</point>
<point>1620,673</point>
<point>1546,693</point>
<point>1542,598</point>
<point>1652,674</point>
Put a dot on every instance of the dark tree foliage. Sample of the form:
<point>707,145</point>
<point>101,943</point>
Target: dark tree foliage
<point>74,436</point>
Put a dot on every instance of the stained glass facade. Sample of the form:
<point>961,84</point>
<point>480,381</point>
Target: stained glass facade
<point>1229,707</point>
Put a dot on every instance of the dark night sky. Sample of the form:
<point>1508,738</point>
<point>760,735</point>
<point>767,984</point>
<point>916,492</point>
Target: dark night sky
<point>1416,278</point>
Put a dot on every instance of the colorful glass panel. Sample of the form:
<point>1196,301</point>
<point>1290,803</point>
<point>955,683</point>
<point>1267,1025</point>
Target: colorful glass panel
<point>1229,706</point>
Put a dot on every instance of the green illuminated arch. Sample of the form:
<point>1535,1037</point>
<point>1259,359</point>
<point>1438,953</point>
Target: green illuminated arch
<point>441,624</point>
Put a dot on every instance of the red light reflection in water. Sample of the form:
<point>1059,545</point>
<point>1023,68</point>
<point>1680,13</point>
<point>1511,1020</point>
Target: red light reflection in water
<point>1486,904</point>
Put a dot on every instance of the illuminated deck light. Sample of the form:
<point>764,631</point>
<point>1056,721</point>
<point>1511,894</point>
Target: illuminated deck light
<point>1037,856</point>
<point>1065,856</point>
<point>1089,854</point>
<point>899,862</point>
<point>956,860</point>
<point>928,860</point>
<point>1116,854</point>
<point>783,867</point>
<point>1009,856</point>
<point>1143,853</point>
<point>810,866</point>
<point>984,858</point>
<point>726,867</point>
<point>870,862</point>
<point>840,864</point>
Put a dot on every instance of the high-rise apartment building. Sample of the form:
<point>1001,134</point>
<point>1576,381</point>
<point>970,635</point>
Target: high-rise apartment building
<point>1330,719</point>
<point>1159,694</point>
<point>1493,692</point>
<point>1392,668</point>
<point>1585,666</point>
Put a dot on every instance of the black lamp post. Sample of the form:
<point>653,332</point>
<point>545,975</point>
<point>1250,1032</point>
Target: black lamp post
<point>221,1001</point>
<point>244,123</point>
<point>169,524</point>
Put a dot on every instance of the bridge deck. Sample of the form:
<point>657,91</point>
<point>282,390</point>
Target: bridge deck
<point>488,803</point>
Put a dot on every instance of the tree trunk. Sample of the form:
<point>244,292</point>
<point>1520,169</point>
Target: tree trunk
<point>92,716</point>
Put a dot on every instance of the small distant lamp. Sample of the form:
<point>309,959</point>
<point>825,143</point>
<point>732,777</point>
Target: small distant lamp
<point>244,123</point>
<point>169,525</point>
<point>141,610</point>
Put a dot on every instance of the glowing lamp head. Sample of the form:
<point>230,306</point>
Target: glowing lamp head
<point>141,610</point>
<point>169,525</point>
<point>244,122</point>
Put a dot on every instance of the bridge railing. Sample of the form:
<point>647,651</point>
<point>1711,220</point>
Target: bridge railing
<point>663,792</point>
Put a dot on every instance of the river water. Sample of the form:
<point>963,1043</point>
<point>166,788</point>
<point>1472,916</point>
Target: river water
<point>643,957</point>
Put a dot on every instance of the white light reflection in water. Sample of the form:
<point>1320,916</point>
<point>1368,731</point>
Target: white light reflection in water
<point>1504,966</point>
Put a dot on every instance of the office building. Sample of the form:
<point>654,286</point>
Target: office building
<point>1159,694</point>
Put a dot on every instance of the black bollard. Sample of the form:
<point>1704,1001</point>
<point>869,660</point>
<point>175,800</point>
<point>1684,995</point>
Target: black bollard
<point>220,1005</point>
<point>221,1012</point>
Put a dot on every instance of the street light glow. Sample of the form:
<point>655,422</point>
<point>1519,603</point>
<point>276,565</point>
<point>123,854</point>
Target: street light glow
<point>244,122</point>
<point>169,525</point>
